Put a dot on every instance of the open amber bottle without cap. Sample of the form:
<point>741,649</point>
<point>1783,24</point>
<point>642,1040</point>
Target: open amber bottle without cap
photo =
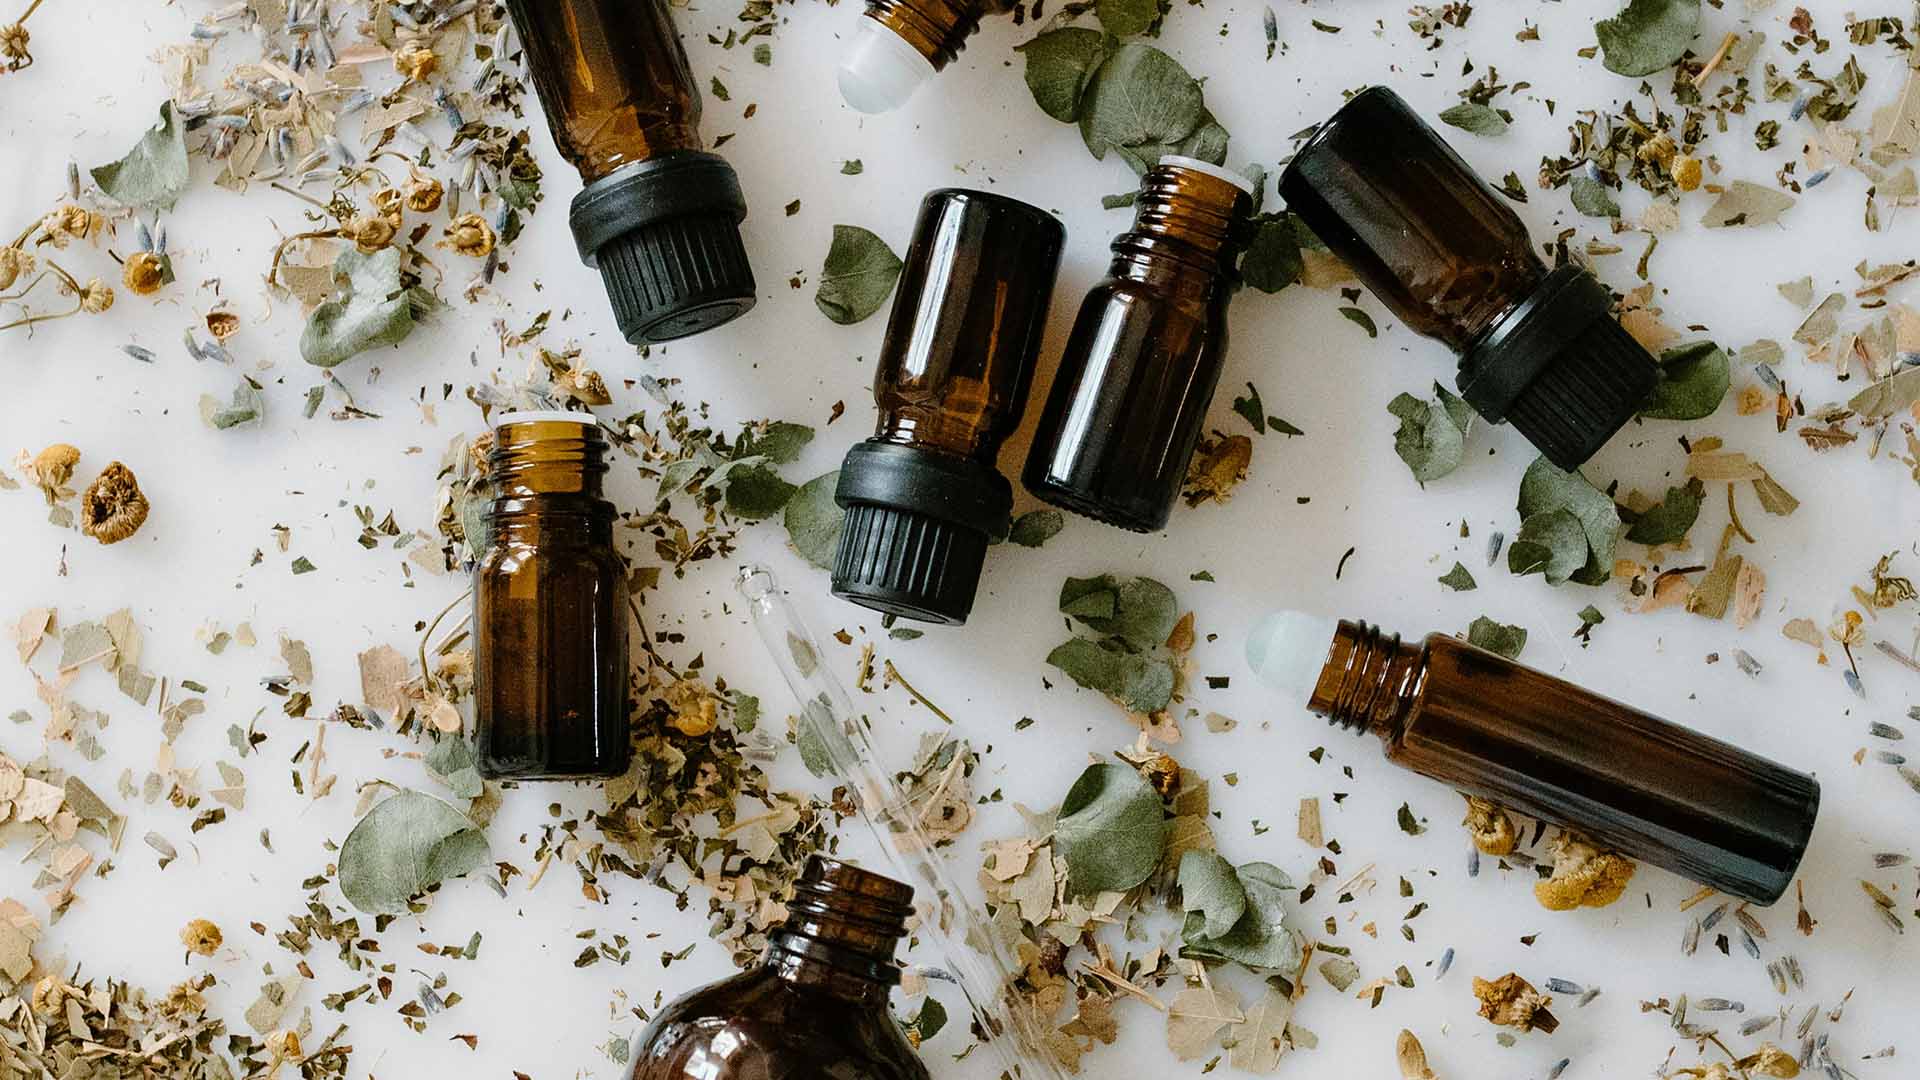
<point>1448,256</point>
<point>1129,402</point>
<point>1646,788</point>
<point>549,608</point>
<point>898,44</point>
<point>924,496</point>
<point>659,217</point>
<point>816,1007</point>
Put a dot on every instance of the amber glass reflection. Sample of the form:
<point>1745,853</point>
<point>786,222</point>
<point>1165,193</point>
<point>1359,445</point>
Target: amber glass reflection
<point>1647,788</point>
<point>549,616</point>
<point>1129,403</point>
<point>937,29</point>
<point>613,78</point>
<point>816,1007</point>
<point>957,360</point>
<point>1439,246</point>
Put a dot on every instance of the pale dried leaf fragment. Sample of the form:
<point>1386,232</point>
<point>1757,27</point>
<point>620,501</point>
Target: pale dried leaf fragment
<point>1196,1017</point>
<point>1749,592</point>
<point>383,673</point>
<point>1412,1057</point>
<point>1260,1042</point>
<point>1511,1001</point>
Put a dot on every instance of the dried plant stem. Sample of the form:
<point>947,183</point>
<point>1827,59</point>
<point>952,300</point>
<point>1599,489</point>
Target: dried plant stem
<point>1713,62</point>
<point>893,673</point>
<point>1733,515</point>
<point>426,673</point>
<point>280,249</point>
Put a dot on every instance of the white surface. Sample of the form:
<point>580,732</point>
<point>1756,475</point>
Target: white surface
<point>1286,651</point>
<point>879,71</point>
<point>217,495</point>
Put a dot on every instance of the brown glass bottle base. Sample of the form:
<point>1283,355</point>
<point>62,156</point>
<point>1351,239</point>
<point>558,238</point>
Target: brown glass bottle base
<point>1148,519</point>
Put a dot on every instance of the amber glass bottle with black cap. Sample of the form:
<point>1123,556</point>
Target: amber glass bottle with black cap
<point>816,1007</point>
<point>549,608</point>
<point>924,496</point>
<point>659,217</point>
<point>1129,403</point>
<point>1448,256</point>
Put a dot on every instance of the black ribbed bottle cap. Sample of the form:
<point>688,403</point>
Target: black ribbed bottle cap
<point>665,235</point>
<point>1560,369</point>
<point>917,529</point>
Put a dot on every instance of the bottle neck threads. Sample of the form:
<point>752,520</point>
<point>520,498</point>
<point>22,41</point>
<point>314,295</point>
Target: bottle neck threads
<point>547,456</point>
<point>937,29</point>
<point>841,929</point>
<point>1188,216</point>
<point>1369,679</point>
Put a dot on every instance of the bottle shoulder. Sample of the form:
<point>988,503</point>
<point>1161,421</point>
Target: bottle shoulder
<point>756,1027</point>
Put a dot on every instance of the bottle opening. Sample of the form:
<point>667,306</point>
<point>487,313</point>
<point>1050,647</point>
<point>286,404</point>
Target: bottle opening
<point>1219,172</point>
<point>546,416</point>
<point>880,70</point>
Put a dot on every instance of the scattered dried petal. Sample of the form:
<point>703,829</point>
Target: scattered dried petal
<point>113,508</point>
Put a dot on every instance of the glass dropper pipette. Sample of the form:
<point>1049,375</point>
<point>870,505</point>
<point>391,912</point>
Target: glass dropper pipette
<point>971,953</point>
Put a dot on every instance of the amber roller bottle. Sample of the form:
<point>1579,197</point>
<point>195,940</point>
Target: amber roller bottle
<point>659,217</point>
<point>1445,252</point>
<point>1129,402</point>
<point>1649,789</point>
<point>815,1007</point>
<point>898,44</point>
<point>549,608</point>
<point>924,496</point>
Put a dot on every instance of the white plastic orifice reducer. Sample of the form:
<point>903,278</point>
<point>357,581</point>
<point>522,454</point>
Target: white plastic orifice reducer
<point>1287,649</point>
<point>880,71</point>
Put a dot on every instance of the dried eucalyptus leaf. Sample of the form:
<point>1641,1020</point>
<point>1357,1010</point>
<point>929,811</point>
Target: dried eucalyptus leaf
<point>1138,610</point>
<point>1195,1018</point>
<point>1747,203</point>
<point>1140,97</point>
<point>1459,579</point>
<point>1273,260</point>
<point>371,308</point>
<point>1592,198</point>
<point>1668,522</point>
<point>1036,527</point>
<point>1694,379</point>
<point>757,492</point>
<point>1474,116</point>
<point>154,172</point>
<point>245,406</point>
<point>1553,543</point>
<point>1141,684</point>
<point>1127,18</point>
<point>1263,1039</point>
<point>1111,830</point>
<point>408,843</point>
<point>1895,394</point>
<point>1546,488</point>
<point>1647,35</point>
<point>1261,938</point>
<point>1210,894</point>
<point>859,272</point>
<point>1496,637</point>
<point>779,442</point>
<point>1430,439</point>
<point>813,519</point>
<point>1060,64</point>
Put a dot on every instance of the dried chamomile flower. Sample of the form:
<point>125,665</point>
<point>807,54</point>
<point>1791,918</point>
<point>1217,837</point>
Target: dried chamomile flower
<point>201,937</point>
<point>222,324</point>
<point>13,263</point>
<point>1770,1060</point>
<point>1162,771</point>
<point>695,709</point>
<point>51,468</point>
<point>284,1045</point>
<point>1686,172</point>
<point>1583,875</point>
<point>415,61</point>
<point>388,202</point>
<point>68,223</point>
<point>96,296</point>
<point>14,41</point>
<point>370,232</point>
<point>1217,468</point>
<point>469,234</point>
<point>424,194</point>
<point>1492,829</point>
<point>144,273</point>
<point>1511,1001</point>
<point>113,508</point>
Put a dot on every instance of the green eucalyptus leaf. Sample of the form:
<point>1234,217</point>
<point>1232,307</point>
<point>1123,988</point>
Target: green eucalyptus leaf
<point>1261,939</point>
<point>813,520</point>
<point>1140,98</point>
<point>859,272</point>
<point>1647,35</point>
<point>1552,542</point>
<point>1668,522</point>
<point>1273,259</point>
<point>1496,637</point>
<point>1036,527</point>
<point>779,442</point>
<point>245,406</point>
<point>1127,18</point>
<point>1111,830</point>
<point>1209,888</point>
<point>1459,579</point>
<point>757,492</point>
<point>372,308</point>
<point>154,172</point>
<point>1476,117</point>
<point>1138,610</point>
<point>1429,439</point>
<point>1694,379</point>
<point>1139,683</point>
<point>1546,488</point>
<point>1060,64</point>
<point>405,845</point>
<point>1592,198</point>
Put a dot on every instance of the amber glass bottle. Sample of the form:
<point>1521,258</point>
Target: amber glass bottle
<point>815,1008</point>
<point>924,496</point>
<point>899,44</point>
<point>658,217</point>
<point>1649,789</point>
<point>1448,256</point>
<point>549,608</point>
<point>1129,403</point>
